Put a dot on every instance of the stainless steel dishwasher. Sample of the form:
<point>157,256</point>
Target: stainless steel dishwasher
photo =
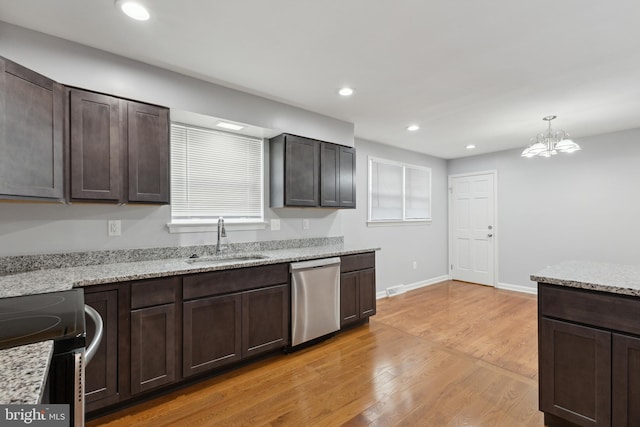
<point>315,299</point>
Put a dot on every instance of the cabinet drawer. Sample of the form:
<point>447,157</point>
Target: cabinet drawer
<point>236,280</point>
<point>357,262</point>
<point>608,311</point>
<point>147,293</point>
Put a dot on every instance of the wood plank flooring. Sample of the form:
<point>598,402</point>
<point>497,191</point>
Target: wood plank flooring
<point>451,354</point>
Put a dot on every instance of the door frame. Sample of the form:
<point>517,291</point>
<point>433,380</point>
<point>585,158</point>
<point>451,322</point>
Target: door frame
<point>496,228</point>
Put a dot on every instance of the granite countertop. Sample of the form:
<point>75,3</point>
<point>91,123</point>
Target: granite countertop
<point>604,277</point>
<point>23,370</point>
<point>63,279</point>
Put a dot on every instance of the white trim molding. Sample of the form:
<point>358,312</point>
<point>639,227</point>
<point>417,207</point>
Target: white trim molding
<point>413,286</point>
<point>202,227</point>
<point>518,288</point>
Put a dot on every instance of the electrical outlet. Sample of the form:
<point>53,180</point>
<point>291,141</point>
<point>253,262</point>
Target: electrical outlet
<point>275,224</point>
<point>415,264</point>
<point>114,228</point>
<point>305,224</point>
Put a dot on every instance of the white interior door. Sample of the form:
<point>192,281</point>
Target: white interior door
<point>473,228</point>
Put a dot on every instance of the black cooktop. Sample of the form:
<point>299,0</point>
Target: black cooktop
<point>52,316</point>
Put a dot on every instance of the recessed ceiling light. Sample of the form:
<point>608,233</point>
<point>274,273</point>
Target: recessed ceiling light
<point>231,126</point>
<point>133,10</point>
<point>346,91</point>
<point>413,128</point>
<point>470,147</point>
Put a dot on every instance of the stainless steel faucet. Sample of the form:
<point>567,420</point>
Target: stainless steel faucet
<point>221,233</point>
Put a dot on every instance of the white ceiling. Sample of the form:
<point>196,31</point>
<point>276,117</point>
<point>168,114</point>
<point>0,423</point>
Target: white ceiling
<point>466,71</point>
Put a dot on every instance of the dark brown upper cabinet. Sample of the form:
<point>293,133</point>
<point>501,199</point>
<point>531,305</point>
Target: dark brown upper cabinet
<point>295,171</point>
<point>148,151</point>
<point>31,134</point>
<point>96,138</point>
<point>119,149</point>
<point>338,176</point>
<point>306,172</point>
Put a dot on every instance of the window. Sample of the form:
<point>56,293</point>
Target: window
<point>215,174</point>
<point>398,192</point>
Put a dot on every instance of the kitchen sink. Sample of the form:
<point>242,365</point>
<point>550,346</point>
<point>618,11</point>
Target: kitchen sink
<point>225,259</point>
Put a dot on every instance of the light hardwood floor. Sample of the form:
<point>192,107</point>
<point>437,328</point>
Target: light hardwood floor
<point>451,354</point>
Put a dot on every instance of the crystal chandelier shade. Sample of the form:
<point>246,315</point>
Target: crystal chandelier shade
<point>550,143</point>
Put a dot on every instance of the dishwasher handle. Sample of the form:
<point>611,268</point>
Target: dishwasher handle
<point>316,263</point>
<point>95,342</point>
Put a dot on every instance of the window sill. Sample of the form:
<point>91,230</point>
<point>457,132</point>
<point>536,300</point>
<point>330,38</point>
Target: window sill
<point>398,223</point>
<point>202,227</point>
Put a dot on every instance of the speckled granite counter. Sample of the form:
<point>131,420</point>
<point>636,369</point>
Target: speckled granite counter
<point>612,278</point>
<point>22,382</point>
<point>23,371</point>
<point>62,279</point>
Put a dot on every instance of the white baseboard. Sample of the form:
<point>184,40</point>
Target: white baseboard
<point>428,282</point>
<point>517,288</point>
<point>416,285</point>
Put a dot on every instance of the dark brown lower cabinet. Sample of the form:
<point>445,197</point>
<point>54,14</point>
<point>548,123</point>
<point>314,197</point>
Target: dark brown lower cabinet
<point>626,381</point>
<point>159,332</point>
<point>589,357</point>
<point>212,333</point>
<point>101,380</point>
<point>265,320</point>
<point>357,288</point>
<point>367,291</point>
<point>349,298</point>
<point>575,372</point>
<point>153,347</point>
<point>154,319</point>
<point>357,296</point>
<point>221,330</point>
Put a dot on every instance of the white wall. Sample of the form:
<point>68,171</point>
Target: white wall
<point>401,244</point>
<point>580,206</point>
<point>29,228</point>
<point>74,64</point>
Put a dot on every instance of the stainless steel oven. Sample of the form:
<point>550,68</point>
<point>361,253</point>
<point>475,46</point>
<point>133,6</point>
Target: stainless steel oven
<point>66,379</point>
<point>57,316</point>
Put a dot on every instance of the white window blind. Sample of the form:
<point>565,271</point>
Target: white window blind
<point>398,191</point>
<point>215,174</point>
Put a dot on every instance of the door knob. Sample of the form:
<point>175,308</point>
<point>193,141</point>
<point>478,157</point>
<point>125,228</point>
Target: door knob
<point>489,235</point>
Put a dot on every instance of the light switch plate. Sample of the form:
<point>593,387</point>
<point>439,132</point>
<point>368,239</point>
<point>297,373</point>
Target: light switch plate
<point>275,224</point>
<point>114,228</point>
<point>305,224</point>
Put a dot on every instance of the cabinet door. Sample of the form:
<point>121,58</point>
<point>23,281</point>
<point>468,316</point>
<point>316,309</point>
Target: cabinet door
<point>153,347</point>
<point>148,152</point>
<point>626,381</point>
<point>101,377</point>
<point>575,372</point>
<point>349,298</point>
<point>96,130</point>
<point>212,331</point>
<point>329,175</point>
<point>31,134</point>
<point>302,171</point>
<point>347,181</point>
<point>367,292</point>
<point>265,320</point>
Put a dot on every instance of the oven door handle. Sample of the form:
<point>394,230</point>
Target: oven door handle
<point>95,342</point>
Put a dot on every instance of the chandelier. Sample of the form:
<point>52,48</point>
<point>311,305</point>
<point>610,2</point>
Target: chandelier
<point>550,143</point>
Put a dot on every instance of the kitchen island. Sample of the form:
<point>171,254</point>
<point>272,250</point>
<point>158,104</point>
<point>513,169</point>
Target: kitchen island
<point>589,344</point>
<point>24,382</point>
